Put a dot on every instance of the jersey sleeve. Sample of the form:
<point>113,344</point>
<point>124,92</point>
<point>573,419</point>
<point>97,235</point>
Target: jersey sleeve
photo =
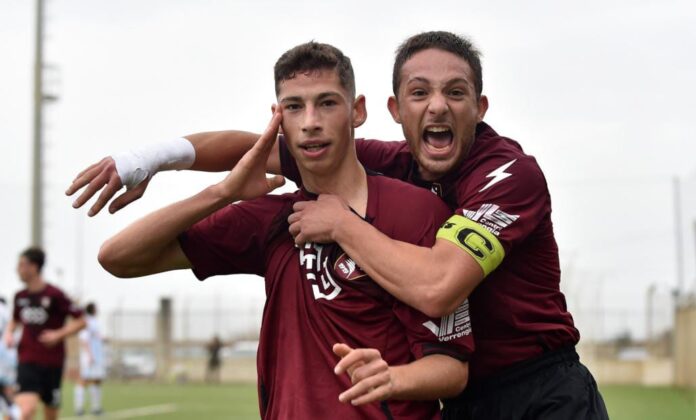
<point>390,158</point>
<point>450,335</point>
<point>230,241</point>
<point>502,203</point>
<point>67,307</point>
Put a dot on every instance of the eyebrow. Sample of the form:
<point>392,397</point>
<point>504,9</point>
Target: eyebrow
<point>449,82</point>
<point>321,96</point>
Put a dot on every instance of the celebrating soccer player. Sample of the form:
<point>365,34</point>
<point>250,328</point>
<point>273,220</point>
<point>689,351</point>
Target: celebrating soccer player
<point>321,306</point>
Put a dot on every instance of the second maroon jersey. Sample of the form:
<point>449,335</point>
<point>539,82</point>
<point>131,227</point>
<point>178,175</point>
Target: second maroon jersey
<point>518,311</point>
<point>38,312</point>
<point>317,296</point>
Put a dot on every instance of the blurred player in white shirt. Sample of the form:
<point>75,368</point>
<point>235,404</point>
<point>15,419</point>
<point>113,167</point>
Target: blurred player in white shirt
<point>8,369</point>
<point>92,366</point>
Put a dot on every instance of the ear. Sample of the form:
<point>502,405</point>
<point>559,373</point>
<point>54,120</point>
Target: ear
<point>393,106</point>
<point>359,111</point>
<point>482,107</point>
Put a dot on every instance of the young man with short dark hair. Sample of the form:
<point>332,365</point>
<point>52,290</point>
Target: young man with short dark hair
<point>320,305</point>
<point>41,309</point>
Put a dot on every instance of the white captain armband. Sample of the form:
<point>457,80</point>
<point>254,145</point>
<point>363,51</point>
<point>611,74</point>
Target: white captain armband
<point>139,164</point>
<point>475,240</point>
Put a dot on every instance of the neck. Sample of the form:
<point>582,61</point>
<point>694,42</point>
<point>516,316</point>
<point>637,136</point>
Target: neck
<point>348,181</point>
<point>36,284</point>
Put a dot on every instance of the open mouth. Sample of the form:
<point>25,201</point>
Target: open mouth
<point>439,139</point>
<point>314,149</point>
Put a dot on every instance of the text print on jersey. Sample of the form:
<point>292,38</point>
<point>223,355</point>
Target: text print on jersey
<point>316,270</point>
<point>452,326</point>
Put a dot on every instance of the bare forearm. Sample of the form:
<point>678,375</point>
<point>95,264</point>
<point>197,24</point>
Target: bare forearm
<point>406,271</point>
<point>72,327</point>
<point>218,151</point>
<point>432,377</point>
<point>136,250</point>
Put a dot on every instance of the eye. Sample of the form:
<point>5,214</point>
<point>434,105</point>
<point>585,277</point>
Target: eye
<point>328,103</point>
<point>419,92</point>
<point>457,93</point>
<point>292,107</point>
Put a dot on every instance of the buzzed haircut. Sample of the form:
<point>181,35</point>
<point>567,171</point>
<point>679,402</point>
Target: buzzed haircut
<point>441,40</point>
<point>35,255</point>
<point>311,57</point>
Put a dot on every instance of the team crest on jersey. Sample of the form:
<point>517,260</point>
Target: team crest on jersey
<point>22,302</point>
<point>45,301</point>
<point>347,269</point>
<point>315,264</point>
<point>452,326</point>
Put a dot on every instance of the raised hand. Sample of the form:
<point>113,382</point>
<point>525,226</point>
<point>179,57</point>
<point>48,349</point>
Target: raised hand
<point>247,180</point>
<point>103,176</point>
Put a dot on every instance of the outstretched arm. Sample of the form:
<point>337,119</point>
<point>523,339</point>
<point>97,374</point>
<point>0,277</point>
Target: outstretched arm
<point>150,245</point>
<point>429,378</point>
<point>214,151</point>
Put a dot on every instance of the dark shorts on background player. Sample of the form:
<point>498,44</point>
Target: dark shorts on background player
<point>41,380</point>
<point>553,386</point>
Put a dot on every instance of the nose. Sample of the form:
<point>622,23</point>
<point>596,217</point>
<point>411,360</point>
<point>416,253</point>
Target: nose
<point>438,104</point>
<point>311,123</point>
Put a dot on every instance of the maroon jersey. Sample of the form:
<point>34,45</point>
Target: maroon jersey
<point>518,310</point>
<point>317,296</point>
<point>38,312</point>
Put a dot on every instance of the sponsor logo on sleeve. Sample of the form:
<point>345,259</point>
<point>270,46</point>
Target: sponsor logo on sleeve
<point>491,217</point>
<point>452,326</point>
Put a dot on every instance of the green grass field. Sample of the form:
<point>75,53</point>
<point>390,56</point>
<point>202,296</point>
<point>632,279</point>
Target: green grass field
<point>238,402</point>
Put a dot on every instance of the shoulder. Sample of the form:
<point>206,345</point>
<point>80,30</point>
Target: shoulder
<point>408,212</point>
<point>405,195</point>
<point>262,210</point>
<point>497,162</point>
<point>53,291</point>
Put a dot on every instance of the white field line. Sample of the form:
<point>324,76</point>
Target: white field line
<point>129,413</point>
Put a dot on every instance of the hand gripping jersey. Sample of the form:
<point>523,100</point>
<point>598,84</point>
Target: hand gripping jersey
<point>38,312</point>
<point>317,296</point>
<point>502,218</point>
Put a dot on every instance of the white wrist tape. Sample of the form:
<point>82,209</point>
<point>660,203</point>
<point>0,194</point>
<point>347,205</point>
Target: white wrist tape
<point>137,165</point>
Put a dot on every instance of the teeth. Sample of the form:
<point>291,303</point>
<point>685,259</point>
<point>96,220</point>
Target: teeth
<point>438,129</point>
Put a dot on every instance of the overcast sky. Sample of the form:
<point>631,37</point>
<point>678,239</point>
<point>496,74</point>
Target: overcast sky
<point>602,93</point>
